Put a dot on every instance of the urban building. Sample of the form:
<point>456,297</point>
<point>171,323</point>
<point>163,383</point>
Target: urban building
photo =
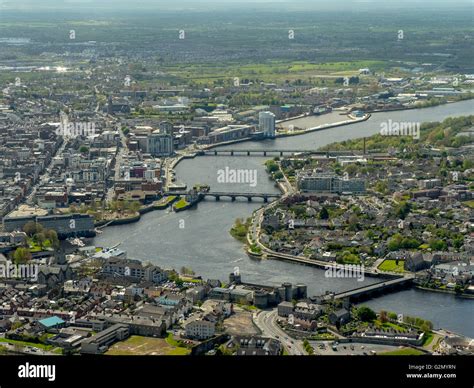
<point>266,124</point>
<point>200,329</point>
<point>100,342</point>
<point>160,144</point>
<point>330,183</point>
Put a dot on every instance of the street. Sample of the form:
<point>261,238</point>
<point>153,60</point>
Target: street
<point>266,321</point>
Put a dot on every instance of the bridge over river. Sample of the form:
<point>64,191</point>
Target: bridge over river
<point>377,289</point>
<point>217,195</point>
<point>271,151</point>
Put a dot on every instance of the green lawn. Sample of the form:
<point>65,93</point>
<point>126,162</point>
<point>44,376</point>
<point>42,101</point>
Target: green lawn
<point>248,307</point>
<point>322,336</point>
<point>469,203</point>
<point>428,339</point>
<point>165,201</point>
<point>391,266</point>
<point>181,204</point>
<point>388,325</point>
<point>24,343</point>
<point>403,352</point>
<point>34,247</point>
<point>171,341</point>
<point>190,280</point>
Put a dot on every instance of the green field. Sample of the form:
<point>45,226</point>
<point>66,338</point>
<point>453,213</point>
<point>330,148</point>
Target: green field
<point>137,345</point>
<point>469,203</point>
<point>403,352</point>
<point>428,338</point>
<point>24,343</point>
<point>182,203</point>
<point>392,266</point>
<point>269,71</point>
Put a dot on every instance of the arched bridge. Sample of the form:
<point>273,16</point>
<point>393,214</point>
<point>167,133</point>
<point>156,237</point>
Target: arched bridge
<point>256,152</point>
<point>233,196</point>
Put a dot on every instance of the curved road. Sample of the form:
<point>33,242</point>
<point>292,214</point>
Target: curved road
<point>266,322</point>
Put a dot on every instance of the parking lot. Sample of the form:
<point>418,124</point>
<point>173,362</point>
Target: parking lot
<point>325,348</point>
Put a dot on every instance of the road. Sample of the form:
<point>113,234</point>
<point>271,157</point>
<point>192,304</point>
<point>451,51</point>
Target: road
<point>122,152</point>
<point>45,176</point>
<point>266,321</point>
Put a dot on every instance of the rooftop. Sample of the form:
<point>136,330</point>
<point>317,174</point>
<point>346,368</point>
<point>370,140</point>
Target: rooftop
<point>51,322</point>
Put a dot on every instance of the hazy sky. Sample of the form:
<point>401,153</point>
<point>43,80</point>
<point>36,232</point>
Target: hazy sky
<point>221,4</point>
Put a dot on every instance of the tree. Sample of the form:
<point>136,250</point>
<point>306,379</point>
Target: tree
<point>40,238</point>
<point>30,228</point>
<point>403,210</point>
<point>393,316</point>
<point>324,214</point>
<point>187,271</point>
<point>458,289</point>
<point>425,327</point>
<point>278,175</point>
<point>135,206</point>
<point>366,314</point>
<point>383,316</point>
<point>52,236</point>
<point>437,245</point>
<point>353,222</point>
<point>351,169</point>
<point>22,256</point>
<point>271,166</point>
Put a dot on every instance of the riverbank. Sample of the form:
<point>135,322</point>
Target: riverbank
<point>325,126</point>
<point>277,136</point>
<point>449,292</point>
<point>161,204</point>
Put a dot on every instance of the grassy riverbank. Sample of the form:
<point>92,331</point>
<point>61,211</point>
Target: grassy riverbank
<point>240,229</point>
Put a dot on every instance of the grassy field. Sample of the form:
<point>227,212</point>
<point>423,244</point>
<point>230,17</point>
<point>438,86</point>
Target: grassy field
<point>428,339</point>
<point>239,230</point>
<point>469,203</point>
<point>403,352</point>
<point>391,266</point>
<point>269,71</point>
<point>136,345</point>
<point>389,325</point>
<point>181,204</point>
<point>24,343</point>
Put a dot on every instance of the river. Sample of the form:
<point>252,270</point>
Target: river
<point>443,310</point>
<point>200,238</point>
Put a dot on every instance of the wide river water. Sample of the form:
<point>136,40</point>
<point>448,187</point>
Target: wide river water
<point>200,238</point>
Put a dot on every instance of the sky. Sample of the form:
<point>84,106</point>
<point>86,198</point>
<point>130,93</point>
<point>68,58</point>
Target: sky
<point>221,4</point>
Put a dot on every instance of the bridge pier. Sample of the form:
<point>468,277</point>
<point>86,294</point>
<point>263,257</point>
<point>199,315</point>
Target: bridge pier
<point>248,153</point>
<point>217,197</point>
<point>281,153</point>
<point>215,153</point>
<point>265,199</point>
<point>232,197</point>
<point>264,153</point>
<point>249,198</point>
<point>231,153</point>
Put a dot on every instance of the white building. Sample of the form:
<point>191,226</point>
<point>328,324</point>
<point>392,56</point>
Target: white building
<point>266,123</point>
<point>200,329</point>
